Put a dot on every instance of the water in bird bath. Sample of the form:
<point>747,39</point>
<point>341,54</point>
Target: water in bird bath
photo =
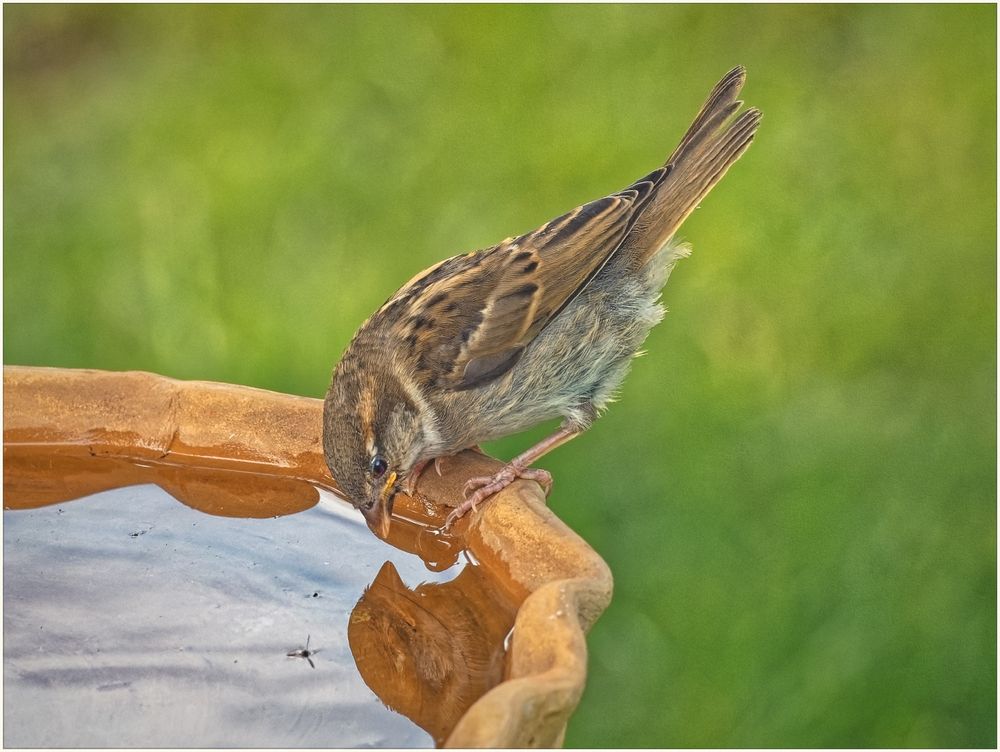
<point>259,612</point>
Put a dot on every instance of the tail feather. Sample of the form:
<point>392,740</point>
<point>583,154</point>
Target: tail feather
<point>721,103</point>
<point>709,148</point>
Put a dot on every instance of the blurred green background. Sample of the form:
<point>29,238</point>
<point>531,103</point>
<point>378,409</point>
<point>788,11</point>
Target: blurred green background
<point>797,490</point>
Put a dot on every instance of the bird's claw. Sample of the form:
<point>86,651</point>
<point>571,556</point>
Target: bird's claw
<point>480,488</point>
<point>410,484</point>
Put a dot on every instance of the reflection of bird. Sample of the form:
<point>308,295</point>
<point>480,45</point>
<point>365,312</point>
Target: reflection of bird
<point>543,325</point>
<point>429,653</point>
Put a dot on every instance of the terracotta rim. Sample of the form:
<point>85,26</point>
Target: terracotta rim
<point>565,584</point>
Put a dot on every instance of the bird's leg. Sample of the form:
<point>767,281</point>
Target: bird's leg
<point>483,487</point>
<point>410,484</point>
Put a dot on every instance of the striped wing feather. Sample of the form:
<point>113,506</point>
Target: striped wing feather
<point>469,318</point>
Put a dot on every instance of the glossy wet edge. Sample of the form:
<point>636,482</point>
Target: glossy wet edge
<point>564,583</point>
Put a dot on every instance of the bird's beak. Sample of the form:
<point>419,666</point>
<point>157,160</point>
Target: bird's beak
<point>379,514</point>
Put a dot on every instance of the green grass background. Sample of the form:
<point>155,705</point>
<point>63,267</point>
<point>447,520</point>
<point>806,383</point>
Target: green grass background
<point>797,490</point>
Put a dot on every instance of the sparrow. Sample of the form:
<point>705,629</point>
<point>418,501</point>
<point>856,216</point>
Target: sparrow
<point>544,325</point>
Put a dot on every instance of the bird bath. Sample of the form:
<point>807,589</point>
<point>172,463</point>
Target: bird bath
<point>179,571</point>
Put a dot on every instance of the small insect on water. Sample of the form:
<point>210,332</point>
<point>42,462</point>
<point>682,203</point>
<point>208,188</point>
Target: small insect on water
<point>304,652</point>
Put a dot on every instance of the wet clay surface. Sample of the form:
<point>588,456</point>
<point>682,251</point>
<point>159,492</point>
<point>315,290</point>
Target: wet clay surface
<point>125,610</point>
<point>40,474</point>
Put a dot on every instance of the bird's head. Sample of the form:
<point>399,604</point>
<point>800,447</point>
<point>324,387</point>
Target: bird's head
<point>374,433</point>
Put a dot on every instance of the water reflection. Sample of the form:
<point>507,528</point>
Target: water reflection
<point>429,652</point>
<point>118,600</point>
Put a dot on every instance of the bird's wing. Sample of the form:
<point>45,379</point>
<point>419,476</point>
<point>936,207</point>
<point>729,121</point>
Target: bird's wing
<point>467,320</point>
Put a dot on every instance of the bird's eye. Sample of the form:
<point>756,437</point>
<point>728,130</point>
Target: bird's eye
<point>378,466</point>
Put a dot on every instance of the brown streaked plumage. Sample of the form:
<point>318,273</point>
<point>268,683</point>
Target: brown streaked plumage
<point>544,325</point>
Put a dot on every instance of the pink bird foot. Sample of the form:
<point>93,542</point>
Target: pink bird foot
<point>410,484</point>
<point>480,488</point>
